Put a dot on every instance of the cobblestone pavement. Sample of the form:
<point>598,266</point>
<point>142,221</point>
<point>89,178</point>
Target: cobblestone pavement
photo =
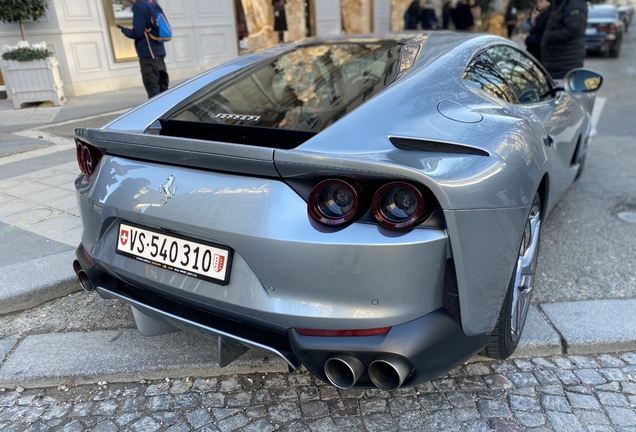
<point>564,393</point>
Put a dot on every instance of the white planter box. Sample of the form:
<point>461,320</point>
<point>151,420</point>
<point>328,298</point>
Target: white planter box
<point>33,81</point>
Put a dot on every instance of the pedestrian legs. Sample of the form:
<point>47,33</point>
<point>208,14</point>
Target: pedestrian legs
<point>154,75</point>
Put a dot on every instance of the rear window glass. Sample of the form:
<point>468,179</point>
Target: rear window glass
<point>601,13</point>
<point>306,89</point>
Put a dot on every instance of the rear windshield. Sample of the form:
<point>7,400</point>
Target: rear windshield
<point>306,89</point>
<point>601,13</point>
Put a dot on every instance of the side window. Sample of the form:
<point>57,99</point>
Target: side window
<point>483,72</point>
<point>527,79</point>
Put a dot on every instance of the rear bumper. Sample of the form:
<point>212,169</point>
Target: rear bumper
<point>431,345</point>
<point>599,44</point>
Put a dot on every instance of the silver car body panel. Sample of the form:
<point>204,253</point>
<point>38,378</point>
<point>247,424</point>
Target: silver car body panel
<point>485,199</point>
<point>266,224</point>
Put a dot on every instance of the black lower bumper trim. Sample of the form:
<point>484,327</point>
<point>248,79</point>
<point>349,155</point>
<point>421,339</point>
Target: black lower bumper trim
<point>123,290</point>
<point>432,345</point>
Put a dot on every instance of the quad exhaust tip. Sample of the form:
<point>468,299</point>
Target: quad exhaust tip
<point>388,373</point>
<point>77,267</point>
<point>343,370</point>
<point>82,277</point>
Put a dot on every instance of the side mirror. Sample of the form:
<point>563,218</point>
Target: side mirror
<point>582,81</point>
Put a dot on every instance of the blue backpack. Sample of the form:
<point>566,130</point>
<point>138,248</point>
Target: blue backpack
<point>160,29</point>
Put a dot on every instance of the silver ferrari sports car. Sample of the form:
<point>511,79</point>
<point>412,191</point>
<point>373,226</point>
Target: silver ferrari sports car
<point>368,207</point>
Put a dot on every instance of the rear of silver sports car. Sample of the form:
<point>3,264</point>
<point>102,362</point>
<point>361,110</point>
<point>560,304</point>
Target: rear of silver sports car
<point>198,225</point>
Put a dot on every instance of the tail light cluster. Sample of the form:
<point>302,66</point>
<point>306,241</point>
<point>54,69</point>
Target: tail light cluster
<point>607,28</point>
<point>394,205</point>
<point>88,157</point>
<point>343,333</point>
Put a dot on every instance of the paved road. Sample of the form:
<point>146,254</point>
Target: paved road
<point>575,393</point>
<point>586,251</point>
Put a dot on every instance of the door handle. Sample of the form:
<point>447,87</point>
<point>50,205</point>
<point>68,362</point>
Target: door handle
<point>548,140</point>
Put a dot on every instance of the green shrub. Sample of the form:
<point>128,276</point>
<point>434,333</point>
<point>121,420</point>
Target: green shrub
<point>16,11</point>
<point>26,54</point>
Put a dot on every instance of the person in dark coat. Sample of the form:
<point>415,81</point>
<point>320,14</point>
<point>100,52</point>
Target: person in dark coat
<point>463,17</point>
<point>447,10</point>
<point>511,19</point>
<point>280,19</point>
<point>538,20</point>
<point>563,42</point>
<point>428,17</point>
<point>412,16</point>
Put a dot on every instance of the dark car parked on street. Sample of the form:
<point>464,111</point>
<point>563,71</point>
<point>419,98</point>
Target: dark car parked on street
<point>604,32</point>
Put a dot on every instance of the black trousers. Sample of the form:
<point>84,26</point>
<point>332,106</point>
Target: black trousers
<point>154,75</point>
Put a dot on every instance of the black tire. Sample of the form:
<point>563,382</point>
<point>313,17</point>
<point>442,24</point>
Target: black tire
<point>581,167</point>
<point>583,155</point>
<point>502,343</point>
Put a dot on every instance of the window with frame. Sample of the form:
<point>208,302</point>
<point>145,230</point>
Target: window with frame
<point>483,73</point>
<point>528,81</point>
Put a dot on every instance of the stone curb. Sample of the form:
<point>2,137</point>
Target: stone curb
<point>31,283</point>
<point>593,326</point>
<point>119,356</point>
<point>587,327</point>
<point>124,355</point>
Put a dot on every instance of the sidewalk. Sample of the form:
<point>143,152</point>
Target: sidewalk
<point>36,115</point>
<point>39,222</point>
<point>40,229</point>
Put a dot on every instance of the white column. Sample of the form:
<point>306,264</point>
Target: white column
<point>327,17</point>
<point>381,16</point>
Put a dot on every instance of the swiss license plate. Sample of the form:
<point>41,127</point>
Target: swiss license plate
<point>590,30</point>
<point>206,261</point>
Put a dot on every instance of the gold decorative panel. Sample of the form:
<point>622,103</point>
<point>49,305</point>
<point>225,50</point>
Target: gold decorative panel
<point>398,7</point>
<point>120,12</point>
<point>357,16</point>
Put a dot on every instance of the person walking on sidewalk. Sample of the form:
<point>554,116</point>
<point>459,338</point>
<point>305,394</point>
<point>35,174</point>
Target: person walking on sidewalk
<point>462,17</point>
<point>151,52</point>
<point>428,17</point>
<point>536,23</point>
<point>563,43</point>
<point>475,9</point>
<point>447,11</point>
<point>511,19</point>
<point>412,15</point>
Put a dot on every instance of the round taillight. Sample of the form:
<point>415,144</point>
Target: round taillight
<point>79,153</point>
<point>397,205</point>
<point>333,202</point>
<point>87,155</point>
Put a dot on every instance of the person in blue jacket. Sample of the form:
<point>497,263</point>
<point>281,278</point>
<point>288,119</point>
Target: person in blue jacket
<point>151,52</point>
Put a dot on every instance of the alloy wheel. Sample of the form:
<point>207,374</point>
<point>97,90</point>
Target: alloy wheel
<point>525,272</point>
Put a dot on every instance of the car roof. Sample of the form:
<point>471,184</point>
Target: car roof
<point>445,40</point>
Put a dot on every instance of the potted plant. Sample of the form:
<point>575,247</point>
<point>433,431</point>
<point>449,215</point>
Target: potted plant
<point>31,72</point>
